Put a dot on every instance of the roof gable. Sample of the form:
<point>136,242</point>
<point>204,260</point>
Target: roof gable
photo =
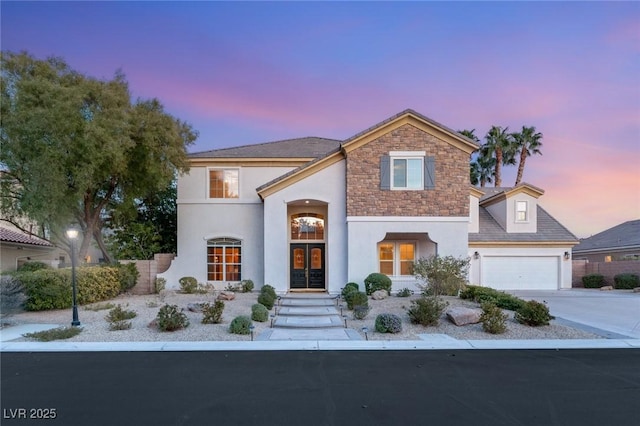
<point>497,194</point>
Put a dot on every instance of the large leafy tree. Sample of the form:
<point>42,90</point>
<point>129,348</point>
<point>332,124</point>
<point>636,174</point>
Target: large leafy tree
<point>526,143</point>
<point>499,144</point>
<point>76,149</point>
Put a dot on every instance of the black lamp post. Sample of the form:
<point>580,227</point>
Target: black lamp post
<point>72,234</point>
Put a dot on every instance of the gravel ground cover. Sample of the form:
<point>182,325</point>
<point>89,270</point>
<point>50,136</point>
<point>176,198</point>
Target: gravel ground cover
<point>96,328</point>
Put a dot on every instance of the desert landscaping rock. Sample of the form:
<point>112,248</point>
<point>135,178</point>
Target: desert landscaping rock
<point>379,295</point>
<point>96,328</point>
<point>460,315</point>
<point>195,306</point>
<point>606,288</point>
<point>226,295</point>
<point>636,290</point>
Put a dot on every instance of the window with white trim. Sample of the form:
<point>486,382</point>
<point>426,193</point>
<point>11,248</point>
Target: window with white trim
<point>521,211</point>
<point>407,173</point>
<point>224,259</point>
<point>396,257</point>
<point>407,170</point>
<point>224,183</point>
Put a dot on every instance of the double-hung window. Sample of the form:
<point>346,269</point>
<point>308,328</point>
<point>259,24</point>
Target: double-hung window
<point>396,257</point>
<point>223,183</point>
<point>521,211</point>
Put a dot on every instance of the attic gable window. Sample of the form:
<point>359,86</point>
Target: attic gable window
<point>521,211</point>
<point>407,170</point>
<point>223,183</point>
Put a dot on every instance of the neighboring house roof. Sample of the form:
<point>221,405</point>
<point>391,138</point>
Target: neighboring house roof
<point>548,230</point>
<point>308,147</point>
<point>10,236</point>
<point>620,237</point>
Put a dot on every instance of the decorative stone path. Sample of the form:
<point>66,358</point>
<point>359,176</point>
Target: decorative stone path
<point>308,317</point>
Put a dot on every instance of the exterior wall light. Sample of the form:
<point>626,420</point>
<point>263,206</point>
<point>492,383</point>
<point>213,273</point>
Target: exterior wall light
<point>476,255</point>
<point>567,255</point>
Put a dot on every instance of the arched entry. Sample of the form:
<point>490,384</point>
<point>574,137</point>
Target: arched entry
<point>307,245</point>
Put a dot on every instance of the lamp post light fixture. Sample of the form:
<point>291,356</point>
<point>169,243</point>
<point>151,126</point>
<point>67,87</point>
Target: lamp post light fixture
<point>345,321</point>
<point>272,318</point>
<point>251,327</point>
<point>365,330</point>
<point>72,234</point>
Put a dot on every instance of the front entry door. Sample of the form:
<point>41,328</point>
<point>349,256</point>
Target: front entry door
<point>307,266</point>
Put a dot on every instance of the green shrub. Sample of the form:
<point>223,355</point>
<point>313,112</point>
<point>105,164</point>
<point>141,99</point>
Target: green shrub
<point>426,310</point>
<point>357,298</point>
<point>377,281</point>
<point>534,314</point>
<point>159,284</point>
<point>405,292</point>
<point>360,312</point>
<point>443,275</point>
<point>269,290</point>
<point>188,285</point>
<point>246,286</point>
<point>117,318</point>
<point>267,300</point>
<point>212,314</point>
<point>626,281</point>
<point>259,312</point>
<point>493,319</point>
<point>54,334</point>
<point>12,295</point>
<point>593,281</point>
<point>33,266</point>
<point>388,323</point>
<point>486,294</point>
<point>350,287</point>
<point>240,325</point>
<point>169,318</point>
<point>127,276</point>
<point>51,288</point>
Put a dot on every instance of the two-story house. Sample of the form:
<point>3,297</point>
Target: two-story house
<point>312,214</point>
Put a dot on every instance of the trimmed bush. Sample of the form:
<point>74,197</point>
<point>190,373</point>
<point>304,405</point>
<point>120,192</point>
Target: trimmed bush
<point>534,314</point>
<point>426,310</point>
<point>493,319</point>
<point>357,298</point>
<point>626,281</point>
<point>259,312</point>
<point>51,288</point>
<point>360,312</point>
<point>169,318</point>
<point>377,281</point>
<point>246,286</point>
<point>388,323</point>
<point>188,285</point>
<point>270,290</point>
<point>127,275</point>
<point>349,287</point>
<point>486,294</point>
<point>267,300</point>
<point>240,325</point>
<point>593,281</point>
<point>117,318</point>
<point>33,266</point>
<point>212,314</point>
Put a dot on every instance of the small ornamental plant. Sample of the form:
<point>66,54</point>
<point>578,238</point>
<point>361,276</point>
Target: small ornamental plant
<point>426,310</point>
<point>388,323</point>
<point>259,312</point>
<point>534,314</point>
<point>493,319</point>
<point>212,314</point>
<point>118,318</point>
<point>169,318</point>
<point>240,325</point>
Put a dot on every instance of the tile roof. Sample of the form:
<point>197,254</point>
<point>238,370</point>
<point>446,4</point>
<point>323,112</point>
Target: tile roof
<point>10,236</point>
<point>625,235</point>
<point>307,147</point>
<point>549,229</point>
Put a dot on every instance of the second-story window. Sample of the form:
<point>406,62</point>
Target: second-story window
<point>521,211</point>
<point>223,183</point>
<point>407,173</point>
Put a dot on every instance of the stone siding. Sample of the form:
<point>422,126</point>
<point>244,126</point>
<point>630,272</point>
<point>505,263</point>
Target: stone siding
<point>450,197</point>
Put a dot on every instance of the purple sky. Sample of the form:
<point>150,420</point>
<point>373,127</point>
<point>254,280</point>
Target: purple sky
<point>244,73</point>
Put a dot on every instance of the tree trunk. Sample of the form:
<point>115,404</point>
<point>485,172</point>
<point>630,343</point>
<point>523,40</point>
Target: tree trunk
<point>498,177</point>
<point>523,159</point>
<point>97,235</point>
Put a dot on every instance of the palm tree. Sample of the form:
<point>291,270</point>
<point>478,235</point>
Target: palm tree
<point>527,143</point>
<point>499,144</point>
<point>474,167</point>
<point>486,169</point>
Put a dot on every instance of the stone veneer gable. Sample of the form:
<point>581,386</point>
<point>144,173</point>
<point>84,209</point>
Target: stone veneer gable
<point>450,197</point>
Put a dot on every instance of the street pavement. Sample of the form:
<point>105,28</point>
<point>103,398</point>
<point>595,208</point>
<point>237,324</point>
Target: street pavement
<point>418,387</point>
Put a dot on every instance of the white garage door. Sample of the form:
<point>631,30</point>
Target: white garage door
<point>521,273</point>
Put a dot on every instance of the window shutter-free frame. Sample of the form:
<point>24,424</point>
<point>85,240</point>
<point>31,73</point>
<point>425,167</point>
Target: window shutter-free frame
<point>429,172</point>
<point>385,172</point>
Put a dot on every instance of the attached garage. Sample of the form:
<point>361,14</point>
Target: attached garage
<point>519,272</point>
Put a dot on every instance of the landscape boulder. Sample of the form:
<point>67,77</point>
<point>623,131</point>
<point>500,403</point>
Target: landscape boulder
<point>226,295</point>
<point>379,294</point>
<point>195,306</point>
<point>460,315</point>
<point>636,290</point>
<point>606,287</point>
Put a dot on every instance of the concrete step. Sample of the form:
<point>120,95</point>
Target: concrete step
<point>308,321</point>
<point>298,310</point>
<point>306,301</point>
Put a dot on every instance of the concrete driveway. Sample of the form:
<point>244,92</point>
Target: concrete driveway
<point>614,314</point>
